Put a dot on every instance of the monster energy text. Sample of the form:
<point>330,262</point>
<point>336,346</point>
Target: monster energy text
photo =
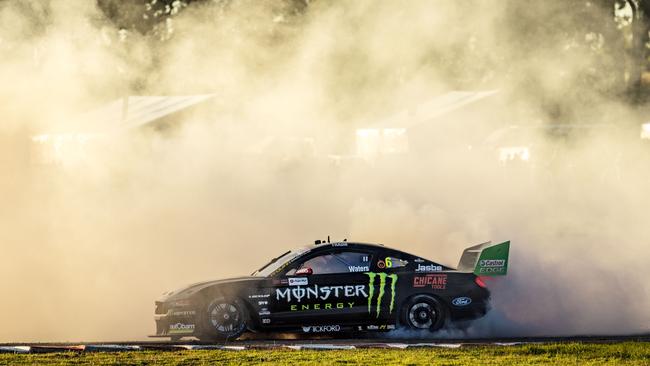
<point>319,292</point>
<point>382,289</point>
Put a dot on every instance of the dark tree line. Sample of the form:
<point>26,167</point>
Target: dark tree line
<point>617,31</point>
<point>606,41</point>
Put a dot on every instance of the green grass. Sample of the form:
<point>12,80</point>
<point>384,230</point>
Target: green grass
<point>630,353</point>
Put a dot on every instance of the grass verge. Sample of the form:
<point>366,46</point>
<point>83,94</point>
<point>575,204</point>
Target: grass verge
<point>629,353</point>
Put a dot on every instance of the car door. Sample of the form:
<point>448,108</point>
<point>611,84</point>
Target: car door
<point>388,279</point>
<point>329,287</point>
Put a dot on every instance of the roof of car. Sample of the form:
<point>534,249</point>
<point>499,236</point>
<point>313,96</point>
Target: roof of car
<point>345,244</point>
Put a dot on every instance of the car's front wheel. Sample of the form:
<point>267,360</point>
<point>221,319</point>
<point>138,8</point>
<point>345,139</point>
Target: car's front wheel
<point>423,312</point>
<point>224,319</point>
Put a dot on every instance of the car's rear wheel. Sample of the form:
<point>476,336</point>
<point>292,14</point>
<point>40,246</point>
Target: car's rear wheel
<point>423,312</point>
<point>224,319</point>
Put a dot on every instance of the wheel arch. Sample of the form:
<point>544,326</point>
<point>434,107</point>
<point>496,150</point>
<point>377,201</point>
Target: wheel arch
<point>441,299</point>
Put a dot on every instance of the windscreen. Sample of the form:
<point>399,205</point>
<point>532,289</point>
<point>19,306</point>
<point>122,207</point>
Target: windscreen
<point>279,262</point>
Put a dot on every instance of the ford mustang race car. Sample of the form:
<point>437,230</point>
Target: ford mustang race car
<point>335,287</point>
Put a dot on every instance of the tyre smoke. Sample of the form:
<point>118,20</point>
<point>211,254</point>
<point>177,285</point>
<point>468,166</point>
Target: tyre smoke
<point>93,236</point>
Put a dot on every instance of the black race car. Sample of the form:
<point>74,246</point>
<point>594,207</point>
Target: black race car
<point>335,287</point>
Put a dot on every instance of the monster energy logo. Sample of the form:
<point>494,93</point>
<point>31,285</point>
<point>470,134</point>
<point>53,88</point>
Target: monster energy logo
<point>382,289</point>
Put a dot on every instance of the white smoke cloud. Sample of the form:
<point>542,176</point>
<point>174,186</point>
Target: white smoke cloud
<point>87,249</point>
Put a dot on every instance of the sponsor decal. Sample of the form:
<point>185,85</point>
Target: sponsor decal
<point>492,262</point>
<point>321,328</point>
<point>259,296</point>
<point>184,313</point>
<point>380,327</point>
<point>298,281</point>
<point>390,262</point>
<point>316,292</point>
<point>386,263</point>
<point>322,306</point>
<point>180,328</point>
<point>436,281</point>
<point>181,303</point>
<point>461,301</point>
<point>266,321</point>
<point>492,270</point>
<point>300,298</point>
<point>487,266</point>
<point>381,292</point>
<point>428,268</point>
<point>492,266</point>
<point>358,268</point>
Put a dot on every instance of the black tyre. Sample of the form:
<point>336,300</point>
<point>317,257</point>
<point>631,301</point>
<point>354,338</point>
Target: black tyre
<point>423,312</point>
<point>224,319</point>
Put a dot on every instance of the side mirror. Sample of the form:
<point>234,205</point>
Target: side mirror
<point>304,271</point>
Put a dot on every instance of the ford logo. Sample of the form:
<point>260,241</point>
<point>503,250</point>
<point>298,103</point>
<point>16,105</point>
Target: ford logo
<point>461,301</point>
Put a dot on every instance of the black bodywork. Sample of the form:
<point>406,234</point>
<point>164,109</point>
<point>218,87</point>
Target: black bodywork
<point>369,296</point>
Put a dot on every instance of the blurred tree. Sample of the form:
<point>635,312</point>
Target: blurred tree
<point>634,20</point>
<point>144,16</point>
<point>153,16</point>
<point>596,45</point>
<point>579,51</point>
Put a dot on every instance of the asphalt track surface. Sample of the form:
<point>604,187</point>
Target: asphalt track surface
<point>308,343</point>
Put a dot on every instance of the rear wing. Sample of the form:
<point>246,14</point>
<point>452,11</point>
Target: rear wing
<point>485,259</point>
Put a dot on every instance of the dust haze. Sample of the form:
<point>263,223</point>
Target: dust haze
<point>88,247</point>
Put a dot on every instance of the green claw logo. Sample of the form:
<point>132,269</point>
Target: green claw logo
<point>382,290</point>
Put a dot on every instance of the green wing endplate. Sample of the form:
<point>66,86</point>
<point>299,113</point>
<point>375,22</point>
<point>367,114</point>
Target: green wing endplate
<point>493,260</point>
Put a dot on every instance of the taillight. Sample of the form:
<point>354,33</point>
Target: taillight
<point>480,281</point>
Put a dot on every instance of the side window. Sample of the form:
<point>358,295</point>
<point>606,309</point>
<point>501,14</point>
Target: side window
<point>389,262</point>
<point>343,262</point>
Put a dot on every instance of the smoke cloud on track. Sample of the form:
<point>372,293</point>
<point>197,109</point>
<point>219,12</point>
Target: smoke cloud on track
<point>87,247</point>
